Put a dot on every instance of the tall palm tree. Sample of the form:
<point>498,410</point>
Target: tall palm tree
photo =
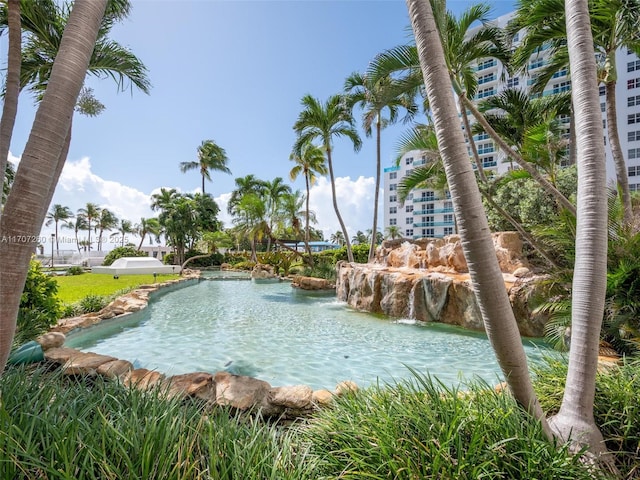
<point>163,199</point>
<point>244,185</point>
<point>614,25</point>
<point>375,97</point>
<point>210,157</point>
<point>575,418</point>
<point>275,192</point>
<point>323,121</point>
<point>12,85</point>
<point>124,228</point>
<point>251,220</point>
<point>337,238</point>
<point>473,228</point>
<point>56,214</point>
<point>309,160</point>
<point>39,168</point>
<point>106,220</point>
<point>147,226</point>
<point>89,212</point>
<point>77,226</point>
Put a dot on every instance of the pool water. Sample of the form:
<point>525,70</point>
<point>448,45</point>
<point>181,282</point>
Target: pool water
<point>288,337</point>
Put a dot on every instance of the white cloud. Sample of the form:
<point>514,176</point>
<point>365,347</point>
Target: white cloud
<point>355,202</point>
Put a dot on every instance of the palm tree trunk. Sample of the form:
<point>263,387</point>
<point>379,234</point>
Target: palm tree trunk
<point>477,244</point>
<point>12,86</point>
<point>306,228</point>
<point>374,229</point>
<point>616,150</point>
<point>26,206</point>
<point>575,419</point>
<point>335,205</point>
<point>535,174</point>
<point>202,184</point>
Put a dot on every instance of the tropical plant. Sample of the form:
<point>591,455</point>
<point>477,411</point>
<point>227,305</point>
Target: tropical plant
<point>41,163</point>
<point>124,228</point>
<point>106,220</point>
<point>393,232</point>
<point>310,162</point>
<point>359,238</point>
<point>251,220</point>
<point>337,238</point>
<point>245,185</point>
<point>323,121</point>
<point>56,214</point>
<point>89,213</point>
<point>375,97</point>
<point>120,252</point>
<point>275,193</point>
<point>148,226</point>
<point>210,157</point>
<point>77,226</point>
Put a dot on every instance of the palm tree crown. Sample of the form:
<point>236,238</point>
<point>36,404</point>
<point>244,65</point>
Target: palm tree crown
<point>211,156</point>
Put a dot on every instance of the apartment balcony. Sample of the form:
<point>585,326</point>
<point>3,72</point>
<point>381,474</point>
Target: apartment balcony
<point>434,211</point>
<point>433,224</point>
<point>425,199</point>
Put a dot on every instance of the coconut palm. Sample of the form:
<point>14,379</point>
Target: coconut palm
<point>147,226</point>
<point>251,220</point>
<point>375,97</point>
<point>575,419</point>
<point>309,160</point>
<point>77,226</point>
<point>337,238</point>
<point>393,232</point>
<point>40,166</point>
<point>323,121</point>
<point>56,214</point>
<point>614,25</point>
<point>12,85</point>
<point>89,212</point>
<point>106,220</point>
<point>210,157</point>
<point>275,192</point>
<point>163,199</point>
<point>473,228</point>
<point>125,227</point>
<point>244,185</point>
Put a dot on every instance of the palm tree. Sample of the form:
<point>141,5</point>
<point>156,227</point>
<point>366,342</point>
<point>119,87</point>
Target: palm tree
<point>309,160</point>
<point>337,238</point>
<point>77,226</point>
<point>163,199</point>
<point>374,97</point>
<point>12,85</point>
<point>106,220</point>
<point>210,157</point>
<point>124,228</point>
<point>323,122</point>
<point>393,232</point>
<point>9,175</point>
<point>147,226</point>
<point>56,214</point>
<point>291,213</point>
<point>90,212</point>
<point>359,238</point>
<point>575,419</point>
<point>44,23</point>
<point>251,220</point>
<point>275,192</point>
<point>614,25</point>
<point>484,270</point>
<point>40,167</point>
<point>244,185</point>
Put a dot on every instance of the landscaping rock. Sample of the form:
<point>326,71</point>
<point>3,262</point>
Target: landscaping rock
<point>51,340</point>
<point>239,391</point>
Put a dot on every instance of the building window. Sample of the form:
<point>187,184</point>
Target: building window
<point>633,101</point>
<point>408,220</point>
<point>602,90</point>
<point>393,210</point>
<point>409,232</point>
<point>485,92</point>
<point>489,77</point>
<point>489,162</point>
<point>428,195</point>
<point>560,73</point>
<point>409,209</point>
<point>481,136</point>
<point>633,118</point>
<point>633,136</point>
<point>393,186</point>
<point>428,220</point>
<point>513,82</point>
<point>485,148</point>
<point>448,230</point>
<point>393,221</point>
<point>633,66</point>
<point>634,153</point>
<point>633,83</point>
<point>561,87</point>
<point>393,198</point>
<point>633,171</point>
<point>537,63</point>
<point>393,175</point>
<point>408,160</point>
<point>564,118</point>
<point>448,206</point>
<point>604,124</point>
<point>448,218</point>
<point>428,232</point>
<point>634,187</point>
<point>603,107</point>
<point>428,208</point>
<point>486,64</point>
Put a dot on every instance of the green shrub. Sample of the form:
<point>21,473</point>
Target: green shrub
<point>119,252</point>
<point>40,307</point>
<point>213,260</point>
<point>93,303</point>
<point>244,265</point>
<point>75,270</point>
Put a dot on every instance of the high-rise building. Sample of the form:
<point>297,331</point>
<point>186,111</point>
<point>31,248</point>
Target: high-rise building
<point>427,213</point>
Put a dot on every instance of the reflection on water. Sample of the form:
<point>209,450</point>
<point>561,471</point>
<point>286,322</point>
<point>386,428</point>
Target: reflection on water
<point>286,337</point>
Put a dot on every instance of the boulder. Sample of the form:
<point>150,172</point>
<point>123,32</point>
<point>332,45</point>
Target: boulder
<point>239,391</point>
<point>198,385</point>
<point>51,340</point>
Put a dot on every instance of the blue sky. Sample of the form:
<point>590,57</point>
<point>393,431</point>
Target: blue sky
<point>233,72</point>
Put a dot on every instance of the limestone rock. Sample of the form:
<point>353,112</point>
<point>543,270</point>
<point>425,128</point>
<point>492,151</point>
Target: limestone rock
<point>311,283</point>
<point>262,272</point>
<point>296,396</point>
<point>51,340</point>
<point>142,379</point>
<point>116,369</point>
<point>322,397</point>
<point>85,363</point>
<point>197,384</point>
<point>345,387</point>
<point>238,391</point>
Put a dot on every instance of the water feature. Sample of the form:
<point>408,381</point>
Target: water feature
<point>286,337</point>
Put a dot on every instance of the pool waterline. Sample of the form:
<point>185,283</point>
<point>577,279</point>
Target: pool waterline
<point>286,336</point>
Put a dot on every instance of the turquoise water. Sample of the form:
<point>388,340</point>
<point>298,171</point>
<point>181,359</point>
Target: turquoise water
<point>287,337</point>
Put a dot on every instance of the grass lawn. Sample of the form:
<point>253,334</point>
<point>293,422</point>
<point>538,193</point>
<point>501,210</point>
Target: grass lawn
<point>75,287</point>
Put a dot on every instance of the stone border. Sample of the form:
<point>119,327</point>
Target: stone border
<point>243,393</point>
